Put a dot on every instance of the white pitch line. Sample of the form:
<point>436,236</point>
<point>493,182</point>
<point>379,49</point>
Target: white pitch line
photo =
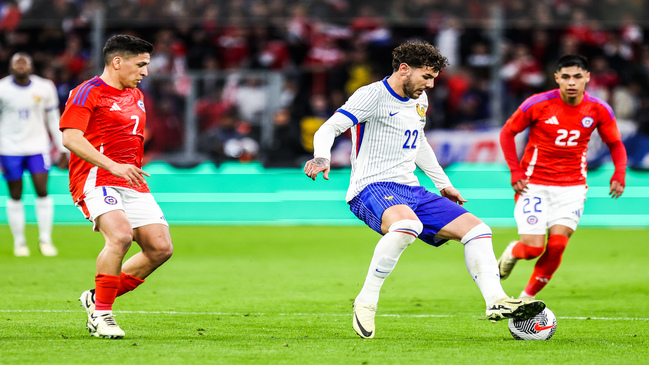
<point>293,314</point>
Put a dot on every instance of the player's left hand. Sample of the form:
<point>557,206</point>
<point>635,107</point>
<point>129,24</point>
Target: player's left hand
<point>616,189</point>
<point>453,194</point>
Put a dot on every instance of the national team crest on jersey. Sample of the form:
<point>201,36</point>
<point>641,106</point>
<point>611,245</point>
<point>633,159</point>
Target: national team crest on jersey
<point>37,99</point>
<point>110,200</point>
<point>587,122</point>
<point>532,219</point>
<point>140,103</point>
<point>422,112</point>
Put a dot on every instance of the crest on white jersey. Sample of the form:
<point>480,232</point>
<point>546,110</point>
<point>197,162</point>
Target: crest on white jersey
<point>422,113</point>
<point>587,122</point>
<point>115,108</point>
<point>140,103</point>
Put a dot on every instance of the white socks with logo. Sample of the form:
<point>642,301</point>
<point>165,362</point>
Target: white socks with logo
<point>482,264</point>
<point>386,254</point>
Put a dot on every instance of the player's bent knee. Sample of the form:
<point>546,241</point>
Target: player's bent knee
<point>479,232</point>
<point>410,229</point>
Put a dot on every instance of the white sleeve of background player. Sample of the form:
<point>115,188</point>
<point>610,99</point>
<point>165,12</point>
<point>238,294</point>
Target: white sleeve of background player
<point>53,116</point>
<point>358,109</point>
<point>427,161</point>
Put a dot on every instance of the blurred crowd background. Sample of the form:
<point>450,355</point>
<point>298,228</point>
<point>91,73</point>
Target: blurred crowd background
<point>251,80</point>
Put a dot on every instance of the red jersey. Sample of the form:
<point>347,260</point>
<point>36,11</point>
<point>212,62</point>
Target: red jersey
<point>558,137</point>
<point>113,122</point>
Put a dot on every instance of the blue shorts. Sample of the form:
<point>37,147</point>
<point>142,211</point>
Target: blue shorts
<point>14,166</point>
<point>433,211</point>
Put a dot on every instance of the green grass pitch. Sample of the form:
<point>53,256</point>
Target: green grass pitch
<point>282,295</point>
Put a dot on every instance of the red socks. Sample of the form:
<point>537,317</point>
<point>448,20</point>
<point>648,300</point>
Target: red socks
<point>525,252</point>
<point>127,283</point>
<point>105,291</point>
<point>109,287</point>
<point>547,264</point>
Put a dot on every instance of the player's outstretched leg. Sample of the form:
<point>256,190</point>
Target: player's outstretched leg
<point>514,308</point>
<point>482,266</point>
<point>364,319</point>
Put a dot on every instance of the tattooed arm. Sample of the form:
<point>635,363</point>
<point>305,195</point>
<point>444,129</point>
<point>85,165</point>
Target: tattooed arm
<point>315,166</point>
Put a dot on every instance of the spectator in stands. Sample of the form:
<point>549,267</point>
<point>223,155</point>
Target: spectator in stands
<point>523,77</point>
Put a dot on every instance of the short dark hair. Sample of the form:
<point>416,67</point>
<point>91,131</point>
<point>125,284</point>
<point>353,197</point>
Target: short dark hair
<point>125,46</point>
<point>418,54</point>
<point>572,60</point>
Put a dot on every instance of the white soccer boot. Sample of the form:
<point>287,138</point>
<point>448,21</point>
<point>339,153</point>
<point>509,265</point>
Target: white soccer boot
<point>21,251</point>
<point>363,321</point>
<point>47,248</point>
<point>506,261</point>
<point>105,326</point>
<point>87,300</point>
<point>514,308</point>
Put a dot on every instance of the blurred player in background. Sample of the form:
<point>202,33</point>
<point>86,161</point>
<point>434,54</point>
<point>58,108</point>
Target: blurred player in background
<point>550,179</point>
<point>29,107</point>
<point>387,120</point>
<point>103,126</point>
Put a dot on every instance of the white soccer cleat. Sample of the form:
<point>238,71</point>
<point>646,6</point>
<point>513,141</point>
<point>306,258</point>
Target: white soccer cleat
<point>363,321</point>
<point>87,300</point>
<point>47,249</point>
<point>21,251</point>
<point>514,308</point>
<point>506,261</point>
<point>105,326</point>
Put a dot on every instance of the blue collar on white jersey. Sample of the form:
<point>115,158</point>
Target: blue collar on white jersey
<point>385,82</point>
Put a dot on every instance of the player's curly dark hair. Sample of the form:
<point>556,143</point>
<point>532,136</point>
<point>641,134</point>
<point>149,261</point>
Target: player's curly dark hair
<point>125,46</point>
<point>418,54</point>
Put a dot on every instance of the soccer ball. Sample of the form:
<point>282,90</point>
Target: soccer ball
<point>540,327</point>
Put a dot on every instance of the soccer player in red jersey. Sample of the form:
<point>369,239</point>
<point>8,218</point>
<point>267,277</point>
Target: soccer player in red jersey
<point>550,179</point>
<point>103,127</point>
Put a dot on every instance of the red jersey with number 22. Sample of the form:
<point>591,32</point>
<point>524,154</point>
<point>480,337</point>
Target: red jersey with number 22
<point>558,137</point>
<point>113,122</point>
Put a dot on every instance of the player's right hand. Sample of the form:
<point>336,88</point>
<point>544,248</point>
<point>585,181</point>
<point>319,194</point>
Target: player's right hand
<point>133,175</point>
<point>520,186</point>
<point>315,166</point>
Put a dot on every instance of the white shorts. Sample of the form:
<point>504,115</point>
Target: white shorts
<point>543,206</point>
<point>141,208</point>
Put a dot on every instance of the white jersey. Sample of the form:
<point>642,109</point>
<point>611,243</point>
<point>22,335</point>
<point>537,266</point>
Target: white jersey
<point>23,128</point>
<point>388,140</point>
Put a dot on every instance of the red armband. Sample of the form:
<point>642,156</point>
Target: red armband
<point>618,155</point>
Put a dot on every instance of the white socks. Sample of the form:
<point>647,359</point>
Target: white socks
<point>386,254</point>
<point>482,264</point>
<point>16,219</point>
<point>45,218</point>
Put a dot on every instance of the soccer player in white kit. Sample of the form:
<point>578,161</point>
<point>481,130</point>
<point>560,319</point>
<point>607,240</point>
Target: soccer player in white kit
<point>387,120</point>
<point>26,101</point>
